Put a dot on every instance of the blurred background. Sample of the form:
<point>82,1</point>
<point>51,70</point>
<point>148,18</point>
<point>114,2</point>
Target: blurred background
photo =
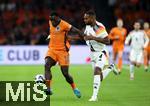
<point>23,29</point>
<point>24,22</point>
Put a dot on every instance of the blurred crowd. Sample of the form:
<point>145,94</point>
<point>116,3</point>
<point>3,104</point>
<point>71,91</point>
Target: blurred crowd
<point>132,10</point>
<point>24,22</point>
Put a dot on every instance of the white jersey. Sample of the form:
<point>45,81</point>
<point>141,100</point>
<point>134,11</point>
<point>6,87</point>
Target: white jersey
<point>98,31</point>
<point>139,40</point>
<point>98,51</point>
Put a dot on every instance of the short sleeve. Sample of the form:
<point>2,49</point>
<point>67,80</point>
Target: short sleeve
<point>101,32</point>
<point>66,26</point>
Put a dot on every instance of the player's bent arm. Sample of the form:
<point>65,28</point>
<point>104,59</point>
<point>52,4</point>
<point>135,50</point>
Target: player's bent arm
<point>48,37</point>
<point>73,37</point>
<point>75,30</point>
<point>112,37</point>
<point>104,40</point>
<point>128,38</point>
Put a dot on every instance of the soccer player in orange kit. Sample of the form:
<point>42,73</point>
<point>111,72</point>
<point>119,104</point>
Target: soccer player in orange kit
<point>147,49</point>
<point>58,51</point>
<point>118,35</point>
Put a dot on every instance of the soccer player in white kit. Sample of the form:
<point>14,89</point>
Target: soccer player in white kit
<point>96,38</point>
<point>138,41</point>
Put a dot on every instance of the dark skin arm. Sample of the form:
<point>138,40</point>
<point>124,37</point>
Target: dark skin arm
<point>75,30</point>
<point>105,40</point>
<point>73,37</point>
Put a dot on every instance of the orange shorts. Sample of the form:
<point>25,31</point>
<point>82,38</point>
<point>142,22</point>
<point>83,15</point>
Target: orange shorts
<point>62,57</point>
<point>147,50</point>
<point>117,49</point>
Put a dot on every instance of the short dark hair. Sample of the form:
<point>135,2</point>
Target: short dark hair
<point>54,13</point>
<point>91,13</point>
<point>137,21</point>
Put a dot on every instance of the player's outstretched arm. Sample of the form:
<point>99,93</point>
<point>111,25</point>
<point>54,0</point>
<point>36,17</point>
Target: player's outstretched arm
<point>73,37</point>
<point>75,30</point>
<point>105,40</point>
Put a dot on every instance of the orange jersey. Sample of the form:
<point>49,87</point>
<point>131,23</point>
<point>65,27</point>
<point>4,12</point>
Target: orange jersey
<point>58,36</point>
<point>120,34</point>
<point>148,34</point>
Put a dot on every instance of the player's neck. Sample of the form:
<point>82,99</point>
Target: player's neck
<point>57,23</point>
<point>136,30</point>
<point>120,28</point>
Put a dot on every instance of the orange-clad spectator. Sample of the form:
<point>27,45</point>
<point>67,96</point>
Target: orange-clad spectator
<point>118,35</point>
<point>147,49</point>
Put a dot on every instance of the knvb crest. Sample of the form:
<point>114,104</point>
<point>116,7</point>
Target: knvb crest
<point>58,28</point>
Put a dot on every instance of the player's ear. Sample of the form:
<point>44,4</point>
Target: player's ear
<point>50,17</point>
<point>92,17</point>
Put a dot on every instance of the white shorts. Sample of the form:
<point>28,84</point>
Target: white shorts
<point>136,56</point>
<point>99,59</point>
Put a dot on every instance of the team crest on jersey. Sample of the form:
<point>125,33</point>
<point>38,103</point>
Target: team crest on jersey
<point>57,28</point>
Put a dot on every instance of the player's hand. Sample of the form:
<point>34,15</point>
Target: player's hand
<point>48,37</point>
<point>90,37</point>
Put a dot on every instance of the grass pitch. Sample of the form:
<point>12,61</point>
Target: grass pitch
<point>115,90</point>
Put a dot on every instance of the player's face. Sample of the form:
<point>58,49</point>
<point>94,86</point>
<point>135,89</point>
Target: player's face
<point>119,23</point>
<point>88,19</point>
<point>146,25</point>
<point>137,26</point>
<point>55,20</point>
